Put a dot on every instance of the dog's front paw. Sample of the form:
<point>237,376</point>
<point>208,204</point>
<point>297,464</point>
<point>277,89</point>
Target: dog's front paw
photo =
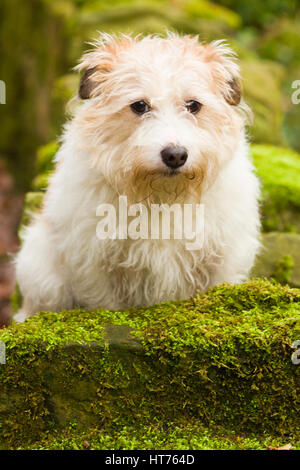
<point>20,316</point>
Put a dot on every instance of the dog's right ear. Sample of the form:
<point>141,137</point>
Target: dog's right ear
<point>98,63</point>
<point>87,84</point>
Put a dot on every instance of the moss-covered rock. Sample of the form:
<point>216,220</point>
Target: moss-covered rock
<point>220,359</point>
<point>188,436</point>
<point>279,258</point>
<point>279,171</point>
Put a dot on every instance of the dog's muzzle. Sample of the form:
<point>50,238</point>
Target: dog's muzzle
<point>174,156</point>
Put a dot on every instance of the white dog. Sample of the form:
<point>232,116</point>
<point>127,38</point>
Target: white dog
<point>160,121</point>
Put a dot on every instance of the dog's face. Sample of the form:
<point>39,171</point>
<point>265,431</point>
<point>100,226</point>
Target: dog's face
<point>162,115</point>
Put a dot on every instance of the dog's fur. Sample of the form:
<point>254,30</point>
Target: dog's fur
<point>108,151</point>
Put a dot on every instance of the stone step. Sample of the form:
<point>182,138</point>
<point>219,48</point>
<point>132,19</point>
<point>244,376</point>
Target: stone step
<point>220,359</point>
<point>279,258</point>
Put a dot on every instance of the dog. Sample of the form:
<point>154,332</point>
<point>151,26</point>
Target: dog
<point>159,120</point>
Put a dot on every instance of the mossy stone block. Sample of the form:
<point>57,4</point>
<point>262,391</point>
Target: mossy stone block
<point>279,258</point>
<point>279,171</point>
<point>221,358</point>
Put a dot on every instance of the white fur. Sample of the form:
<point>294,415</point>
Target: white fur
<point>108,151</point>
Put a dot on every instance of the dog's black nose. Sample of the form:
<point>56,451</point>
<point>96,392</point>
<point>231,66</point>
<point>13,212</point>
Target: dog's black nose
<point>174,156</point>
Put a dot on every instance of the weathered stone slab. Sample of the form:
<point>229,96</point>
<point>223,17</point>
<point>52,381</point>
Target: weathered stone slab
<point>279,171</point>
<point>222,358</point>
<point>279,258</point>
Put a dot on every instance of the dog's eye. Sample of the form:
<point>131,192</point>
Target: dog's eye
<point>193,106</point>
<point>140,107</point>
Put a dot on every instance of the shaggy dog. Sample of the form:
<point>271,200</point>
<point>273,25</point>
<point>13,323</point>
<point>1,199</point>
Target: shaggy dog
<point>161,121</point>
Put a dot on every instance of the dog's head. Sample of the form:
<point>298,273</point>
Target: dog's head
<point>162,115</point>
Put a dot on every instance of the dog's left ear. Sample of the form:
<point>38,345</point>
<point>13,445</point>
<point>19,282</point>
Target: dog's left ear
<point>95,67</point>
<point>225,71</point>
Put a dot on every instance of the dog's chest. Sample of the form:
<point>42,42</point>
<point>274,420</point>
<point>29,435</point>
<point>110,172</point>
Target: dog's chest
<point>144,272</point>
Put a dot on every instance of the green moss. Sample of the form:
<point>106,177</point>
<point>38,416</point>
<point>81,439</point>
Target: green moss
<point>192,436</point>
<point>279,170</point>
<point>279,258</point>
<point>220,359</point>
<point>283,269</point>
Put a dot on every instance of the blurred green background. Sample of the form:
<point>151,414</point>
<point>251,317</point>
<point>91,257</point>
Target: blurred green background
<point>42,40</point>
